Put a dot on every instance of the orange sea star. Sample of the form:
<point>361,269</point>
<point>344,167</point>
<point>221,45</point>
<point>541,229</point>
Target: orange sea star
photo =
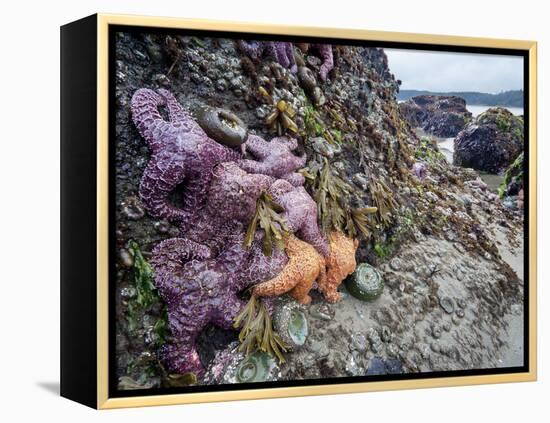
<point>339,264</point>
<point>304,266</point>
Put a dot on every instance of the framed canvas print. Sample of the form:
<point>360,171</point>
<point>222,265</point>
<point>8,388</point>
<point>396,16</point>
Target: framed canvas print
<point>253,211</point>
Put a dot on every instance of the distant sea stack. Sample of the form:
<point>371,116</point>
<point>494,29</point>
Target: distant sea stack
<point>442,116</point>
<point>491,142</point>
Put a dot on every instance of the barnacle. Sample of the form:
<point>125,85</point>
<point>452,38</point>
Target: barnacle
<point>257,330</point>
<point>281,117</point>
<point>273,225</point>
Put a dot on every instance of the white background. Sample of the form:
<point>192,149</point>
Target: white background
<point>29,178</point>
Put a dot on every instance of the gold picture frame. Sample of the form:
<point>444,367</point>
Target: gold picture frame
<point>103,401</point>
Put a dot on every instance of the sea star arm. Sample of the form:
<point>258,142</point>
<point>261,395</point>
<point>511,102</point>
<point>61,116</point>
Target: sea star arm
<point>181,354</point>
<point>325,51</point>
<point>179,117</point>
<point>167,259</point>
<point>282,56</point>
<point>259,149</point>
<point>148,120</point>
<point>301,216</point>
<point>279,285</point>
<point>257,146</point>
<point>230,307</point>
<point>178,251</point>
<point>295,178</point>
<point>253,49</point>
<point>289,50</point>
<point>310,233</point>
<point>252,166</point>
<point>161,176</point>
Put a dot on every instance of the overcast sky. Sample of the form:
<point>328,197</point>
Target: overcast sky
<point>440,71</point>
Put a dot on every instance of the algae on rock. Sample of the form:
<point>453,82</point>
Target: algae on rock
<point>273,224</point>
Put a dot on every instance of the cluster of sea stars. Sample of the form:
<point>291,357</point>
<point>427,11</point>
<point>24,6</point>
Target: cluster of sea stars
<point>200,273</point>
<point>283,53</point>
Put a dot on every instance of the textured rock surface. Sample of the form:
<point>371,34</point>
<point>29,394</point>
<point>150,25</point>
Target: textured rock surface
<point>442,116</point>
<point>513,177</point>
<point>491,143</point>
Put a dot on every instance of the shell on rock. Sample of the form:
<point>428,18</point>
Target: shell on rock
<point>323,147</point>
<point>447,304</point>
<point>307,79</point>
<point>222,126</point>
<point>255,368</point>
<point>292,325</point>
<point>365,283</point>
<point>133,209</point>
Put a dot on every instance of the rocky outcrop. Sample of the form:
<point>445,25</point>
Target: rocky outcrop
<point>490,143</point>
<point>511,188</point>
<point>513,178</point>
<point>442,116</point>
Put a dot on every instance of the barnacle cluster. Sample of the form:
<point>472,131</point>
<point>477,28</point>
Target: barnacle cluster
<point>280,119</point>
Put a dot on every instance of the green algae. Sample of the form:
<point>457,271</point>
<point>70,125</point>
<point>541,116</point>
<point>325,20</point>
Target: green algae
<point>428,151</point>
<point>146,297</point>
<point>514,173</point>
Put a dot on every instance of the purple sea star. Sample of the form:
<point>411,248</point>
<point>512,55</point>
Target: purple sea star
<point>275,158</point>
<point>181,152</point>
<point>420,170</point>
<point>282,52</point>
<point>300,213</point>
<point>199,293</point>
<point>200,274</point>
<point>325,51</point>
